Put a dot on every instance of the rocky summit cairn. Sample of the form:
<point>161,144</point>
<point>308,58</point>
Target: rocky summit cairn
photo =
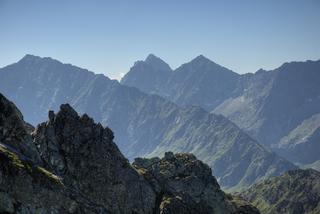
<point>184,184</point>
<point>70,164</point>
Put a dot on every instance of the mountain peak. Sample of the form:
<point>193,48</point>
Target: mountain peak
<point>30,57</point>
<point>151,57</point>
<point>201,63</point>
<point>201,58</point>
<point>157,62</point>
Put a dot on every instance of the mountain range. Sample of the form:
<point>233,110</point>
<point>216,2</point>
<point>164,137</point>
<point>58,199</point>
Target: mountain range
<point>278,108</point>
<point>144,124</point>
<point>70,165</point>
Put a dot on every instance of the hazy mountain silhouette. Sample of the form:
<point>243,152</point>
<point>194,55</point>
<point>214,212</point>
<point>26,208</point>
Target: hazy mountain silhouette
<point>270,105</point>
<point>144,125</point>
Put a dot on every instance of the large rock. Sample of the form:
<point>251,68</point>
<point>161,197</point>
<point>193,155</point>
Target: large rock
<point>28,189</point>
<point>184,184</point>
<point>84,155</point>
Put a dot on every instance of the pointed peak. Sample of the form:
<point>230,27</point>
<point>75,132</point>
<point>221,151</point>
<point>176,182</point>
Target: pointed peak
<point>199,61</point>
<point>202,63</point>
<point>156,62</point>
<point>151,57</point>
<point>201,58</point>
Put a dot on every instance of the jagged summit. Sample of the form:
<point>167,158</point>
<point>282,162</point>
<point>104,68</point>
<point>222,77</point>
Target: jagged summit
<point>84,155</point>
<point>184,184</point>
<point>34,58</point>
<point>30,56</point>
<point>83,171</point>
<point>299,65</point>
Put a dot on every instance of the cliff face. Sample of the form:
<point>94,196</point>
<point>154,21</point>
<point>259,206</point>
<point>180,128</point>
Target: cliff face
<point>83,154</point>
<point>78,161</point>
<point>70,164</point>
<point>14,132</point>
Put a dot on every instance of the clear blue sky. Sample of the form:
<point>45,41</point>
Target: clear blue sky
<point>108,36</point>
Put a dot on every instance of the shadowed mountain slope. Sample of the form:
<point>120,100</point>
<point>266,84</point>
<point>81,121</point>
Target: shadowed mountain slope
<point>272,106</point>
<point>144,124</point>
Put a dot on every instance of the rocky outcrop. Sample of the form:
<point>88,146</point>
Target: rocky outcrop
<point>79,169</point>
<point>184,184</point>
<point>294,192</point>
<point>83,154</point>
<point>14,132</point>
<point>26,188</point>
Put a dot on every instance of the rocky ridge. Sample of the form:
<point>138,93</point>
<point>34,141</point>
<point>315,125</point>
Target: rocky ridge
<point>184,184</point>
<point>278,108</point>
<point>145,125</point>
<point>81,170</point>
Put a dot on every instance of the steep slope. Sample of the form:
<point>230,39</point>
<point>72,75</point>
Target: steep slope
<point>269,105</point>
<point>30,189</point>
<point>199,82</point>
<point>25,187</point>
<point>53,83</point>
<point>83,155</point>
<point>274,103</point>
<point>149,75</point>
<point>180,180</point>
<point>84,172</point>
<point>305,137</point>
<point>315,165</point>
<point>144,124</point>
<point>14,132</point>
<point>296,191</point>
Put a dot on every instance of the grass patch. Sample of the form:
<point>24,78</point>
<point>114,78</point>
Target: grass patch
<point>11,157</point>
<point>8,158</point>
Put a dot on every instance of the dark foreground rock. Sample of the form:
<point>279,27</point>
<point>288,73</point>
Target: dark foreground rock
<point>70,164</point>
<point>184,184</point>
